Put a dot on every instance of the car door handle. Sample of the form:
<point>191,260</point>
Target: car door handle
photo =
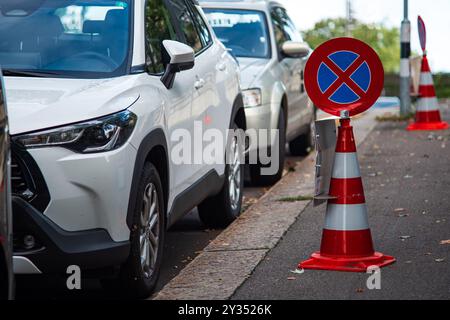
<point>200,83</point>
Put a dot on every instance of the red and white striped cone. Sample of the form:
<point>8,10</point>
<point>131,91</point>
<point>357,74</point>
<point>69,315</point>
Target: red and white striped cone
<point>428,116</point>
<point>346,239</point>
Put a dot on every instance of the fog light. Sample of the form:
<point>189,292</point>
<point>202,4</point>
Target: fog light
<point>29,242</point>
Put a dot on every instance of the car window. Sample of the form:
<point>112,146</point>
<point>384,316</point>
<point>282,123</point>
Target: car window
<point>280,36</point>
<point>66,38</point>
<point>158,27</point>
<point>288,26</point>
<point>244,32</point>
<point>201,25</point>
<point>187,26</point>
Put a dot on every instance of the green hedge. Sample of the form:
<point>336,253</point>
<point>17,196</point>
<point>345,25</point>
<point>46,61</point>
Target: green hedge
<point>441,83</point>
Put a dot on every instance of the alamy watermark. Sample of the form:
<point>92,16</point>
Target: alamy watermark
<point>73,281</point>
<point>374,280</point>
<point>209,147</point>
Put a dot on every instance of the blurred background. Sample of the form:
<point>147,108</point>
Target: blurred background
<point>378,24</point>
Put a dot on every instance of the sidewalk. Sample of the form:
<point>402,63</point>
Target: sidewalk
<point>407,184</point>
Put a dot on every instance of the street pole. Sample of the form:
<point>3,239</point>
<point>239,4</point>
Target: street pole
<point>349,14</point>
<point>405,73</point>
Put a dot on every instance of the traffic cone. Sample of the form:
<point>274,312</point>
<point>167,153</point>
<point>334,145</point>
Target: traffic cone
<point>346,239</point>
<point>428,116</point>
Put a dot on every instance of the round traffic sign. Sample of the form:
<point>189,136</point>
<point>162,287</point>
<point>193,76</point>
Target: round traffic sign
<point>344,74</point>
<point>422,33</point>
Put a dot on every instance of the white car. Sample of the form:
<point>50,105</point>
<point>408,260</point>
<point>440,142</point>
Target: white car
<point>272,56</point>
<point>96,89</point>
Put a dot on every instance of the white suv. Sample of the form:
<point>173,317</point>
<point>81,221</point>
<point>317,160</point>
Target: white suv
<point>272,56</point>
<point>96,91</point>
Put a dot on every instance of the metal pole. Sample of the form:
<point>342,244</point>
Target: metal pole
<point>405,73</point>
<point>349,17</point>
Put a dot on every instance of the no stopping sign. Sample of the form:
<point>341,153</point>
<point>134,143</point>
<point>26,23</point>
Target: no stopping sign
<point>344,74</point>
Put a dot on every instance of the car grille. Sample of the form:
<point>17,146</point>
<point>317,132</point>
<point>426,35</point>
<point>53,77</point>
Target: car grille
<point>27,181</point>
<point>21,184</point>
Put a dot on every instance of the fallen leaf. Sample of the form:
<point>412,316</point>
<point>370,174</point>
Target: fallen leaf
<point>359,290</point>
<point>444,242</point>
<point>404,238</point>
<point>292,278</point>
<point>440,260</point>
<point>400,210</point>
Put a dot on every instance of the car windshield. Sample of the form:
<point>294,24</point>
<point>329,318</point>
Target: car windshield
<point>244,32</point>
<point>64,38</point>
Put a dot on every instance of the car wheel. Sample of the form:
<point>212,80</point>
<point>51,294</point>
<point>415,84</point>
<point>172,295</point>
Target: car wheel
<point>221,210</point>
<point>138,276</point>
<point>257,178</point>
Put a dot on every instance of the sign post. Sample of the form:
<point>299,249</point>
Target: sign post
<point>405,71</point>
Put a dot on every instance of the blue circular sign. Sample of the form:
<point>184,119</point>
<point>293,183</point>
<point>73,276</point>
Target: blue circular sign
<point>344,74</point>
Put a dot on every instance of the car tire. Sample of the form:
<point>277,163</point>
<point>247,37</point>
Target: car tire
<point>139,275</point>
<point>256,176</point>
<point>221,210</point>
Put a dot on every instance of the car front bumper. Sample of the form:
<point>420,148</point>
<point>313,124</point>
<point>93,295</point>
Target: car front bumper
<point>260,120</point>
<point>78,212</point>
<point>56,249</point>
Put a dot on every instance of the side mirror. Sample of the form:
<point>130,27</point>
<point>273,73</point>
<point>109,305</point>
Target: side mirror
<point>181,57</point>
<point>293,49</point>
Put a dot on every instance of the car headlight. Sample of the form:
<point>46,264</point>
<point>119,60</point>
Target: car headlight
<point>100,135</point>
<point>252,98</point>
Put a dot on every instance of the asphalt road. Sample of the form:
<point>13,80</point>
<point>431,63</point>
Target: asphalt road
<point>184,241</point>
<point>407,185</point>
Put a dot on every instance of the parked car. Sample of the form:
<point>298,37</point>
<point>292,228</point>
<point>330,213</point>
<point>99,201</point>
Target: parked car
<point>6,273</point>
<point>97,89</point>
<point>272,56</point>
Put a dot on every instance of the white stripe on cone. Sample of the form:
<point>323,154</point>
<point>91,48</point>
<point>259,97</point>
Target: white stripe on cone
<point>426,79</point>
<point>346,166</point>
<point>346,217</point>
<point>427,104</point>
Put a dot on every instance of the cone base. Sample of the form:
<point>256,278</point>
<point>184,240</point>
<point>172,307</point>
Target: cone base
<point>429,126</point>
<point>360,264</point>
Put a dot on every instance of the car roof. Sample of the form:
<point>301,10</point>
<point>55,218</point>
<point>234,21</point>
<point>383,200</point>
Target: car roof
<point>240,4</point>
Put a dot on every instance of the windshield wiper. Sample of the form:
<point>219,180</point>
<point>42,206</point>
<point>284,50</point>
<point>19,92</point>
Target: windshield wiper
<point>27,73</point>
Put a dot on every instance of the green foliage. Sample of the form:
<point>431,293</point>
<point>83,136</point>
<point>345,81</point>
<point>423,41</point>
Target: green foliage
<point>442,85</point>
<point>385,41</point>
